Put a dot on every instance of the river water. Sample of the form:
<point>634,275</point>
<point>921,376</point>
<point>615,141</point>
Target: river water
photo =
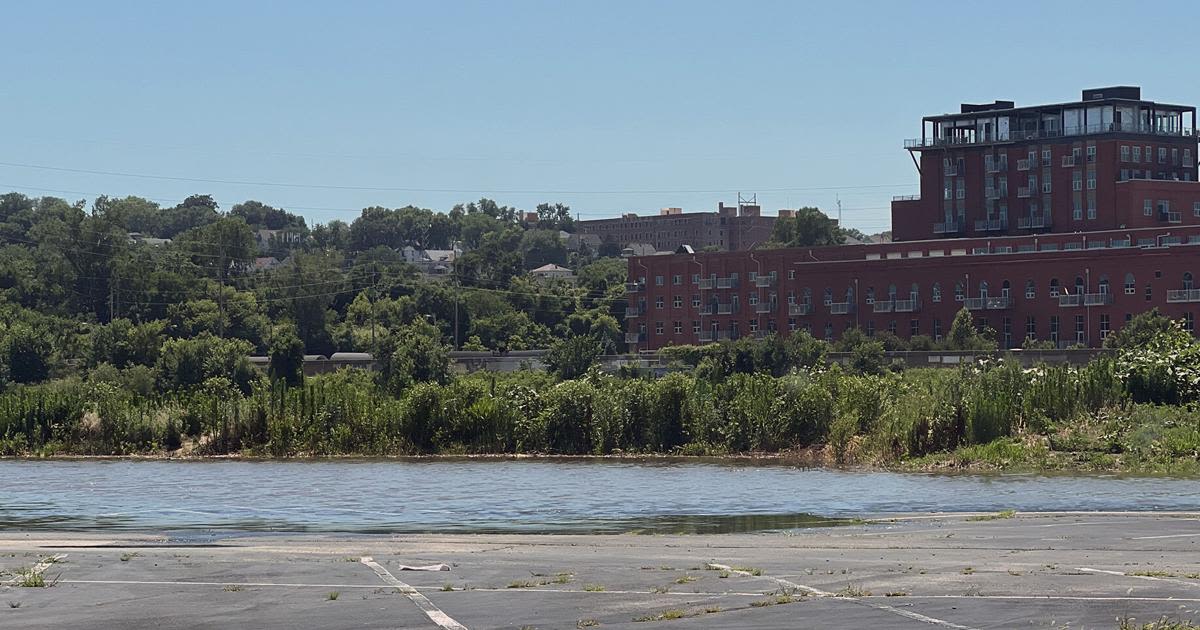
<point>543,496</point>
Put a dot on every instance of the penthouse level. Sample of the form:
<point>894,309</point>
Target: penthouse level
<point>1108,161</point>
<point>1066,288</point>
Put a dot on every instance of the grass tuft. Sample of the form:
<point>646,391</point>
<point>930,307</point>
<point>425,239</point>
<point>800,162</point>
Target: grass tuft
<point>333,595</point>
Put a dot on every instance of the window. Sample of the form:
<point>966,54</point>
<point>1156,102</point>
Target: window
<point>1054,328</point>
<point>695,278</point>
<point>1077,180</point>
<point>960,191</point>
<point>1188,282</point>
<point>1030,290</point>
<point>678,328</point>
<point>1104,326</point>
<point>828,299</point>
<point>914,327</point>
<point>1091,153</point>
<point>1031,327</point>
<point>870,297</point>
<point>1175,157</point>
<point>1149,155</point>
<point>1124,153</point>
<point>828,331</point>
<point>937,329</point>
<point>871,328</point>
<point>676,279</point>
<point>1054,288</point>
<point>695,301</point>
<point>1196,208</point>
<point>1091,180</point>
<point>1124,174</point>
<point>695,327</point>
<point>1162,155</point>
<point>754,325</point>
<point>753,299</point>
<point>1003,186</point>
<point>1137,154</point>
<point>1189,321</point>
<point>1130,287</point>
<point>1149,293</point>
<point>937,292</point>
<point>1046,186</point>
<point>791,298</point>
<point>1045,157</point>
<point>1080,331</point>
<point>792,324</point>
<point>658,328</point>
<point>1147,207</point>
<point>658,302</point>
<point>791,274</point>
<point>892,326</point>
<point>677,301</point>
<point>1076,210</point>
<point>958,291</point>
<point>1091,207</point>
<point>752,276</point>
<point>658,281</point>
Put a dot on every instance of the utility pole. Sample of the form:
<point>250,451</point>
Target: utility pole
<point>457,293</point>
<point>374,287</point>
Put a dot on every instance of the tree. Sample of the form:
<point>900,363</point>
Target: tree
<point>186,363</point>
<point>572,357</point>
<point>868,358</point>
<point>964,336</point>
<point>413,354</point>
<point>808,228</point>
<point>287,355</point>
<point>121,343</point>
<point>26,354</point>
<point>1140,330</point>
<point>542,247</point>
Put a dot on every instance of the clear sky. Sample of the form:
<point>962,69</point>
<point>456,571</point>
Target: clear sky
<point>606,106</point>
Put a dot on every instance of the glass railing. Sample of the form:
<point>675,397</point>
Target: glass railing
<point>1183,295</point>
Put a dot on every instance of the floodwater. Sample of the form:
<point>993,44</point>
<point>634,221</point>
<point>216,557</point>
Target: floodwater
<point>525,496</point>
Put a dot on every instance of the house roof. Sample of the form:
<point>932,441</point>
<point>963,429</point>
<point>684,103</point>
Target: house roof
<point>549,268</point>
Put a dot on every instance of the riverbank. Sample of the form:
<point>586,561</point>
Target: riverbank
<point>1093,570</point>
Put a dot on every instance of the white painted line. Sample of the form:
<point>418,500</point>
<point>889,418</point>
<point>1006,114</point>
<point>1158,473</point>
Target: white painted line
<point>37,569</point>
<point>1140,577</point>
<point>186,583</point>
<point>1166,536</point>
<point>854,600</point>
<point>433,612</point>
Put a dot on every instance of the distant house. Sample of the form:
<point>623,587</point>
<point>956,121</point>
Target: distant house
<point>553,272</point>
<point>286,237</point>
<point>431,261</point>
<point>575,242</point>
<point>266,263</point>
<point>138,237</point>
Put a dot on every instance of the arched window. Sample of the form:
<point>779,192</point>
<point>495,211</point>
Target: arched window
<point>983,289</point>
<point>870,295</point>
<point>892,291</point>
<point>807,295</point>
<point>1130,285</point>
<point>1006,289</point>
<point>958,291</point>
<point>850,293</point>
<point>1187,280</point>
<point>1103,287</point>
<point>828,296</point>
<point>914,291</point>
<point>1079,286</point>
<point>1054,288</point>
<point>937,292</point>
<point>1030,289</point>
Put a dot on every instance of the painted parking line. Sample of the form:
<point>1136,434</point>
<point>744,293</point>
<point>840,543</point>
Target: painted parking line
<point>434,613</point>
<point>854,600</point>
<point>1150,578</point>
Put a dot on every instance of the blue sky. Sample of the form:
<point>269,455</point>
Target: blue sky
<point>606,106</point>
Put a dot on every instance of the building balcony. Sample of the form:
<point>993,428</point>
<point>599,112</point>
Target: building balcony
<point>1176,296</point>
<point>975,304</point>
<point>1070,299</point>
<point>992,168</point>
<point>1023,165</point>
<point>991,193</point>
<point>948,227</point>
<point>634,287</point>
<point>883,306</point>
<point>998,303</point>
<point>1033,223</point>
<point>632,337</point>
<point>632,312</point>
<point>709,309</point>
<point>799,309</point>
<point>707,283</point>
<point>1068,161</point>
<point>991,225</point>
<point>764,307</point>
<point>726,283</point>
<point>1024,192</point>
<point>726,309</point>
<point>907,306</point>
<point>1170,217</point>
<point>764,282</point>
<point>1097,299</point>
<point>1017,135</point>
<point>707,336</point>
<point>841,308</point>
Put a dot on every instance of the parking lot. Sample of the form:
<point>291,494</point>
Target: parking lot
<point>988,571</point>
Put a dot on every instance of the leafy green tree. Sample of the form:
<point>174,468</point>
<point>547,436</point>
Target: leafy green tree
<point>572,357</point>
<point>808,228</point>
<point>542,247</point>
<point>186,363</point>
<point>868,358</point>
<point>1140,330</point>
<point>26,354</point>
<point>287,355</point>
<point>121,343</point>
<point>413,354</point>
<point>964,336</point>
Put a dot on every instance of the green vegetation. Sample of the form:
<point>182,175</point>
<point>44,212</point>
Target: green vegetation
<point>1003,514</point>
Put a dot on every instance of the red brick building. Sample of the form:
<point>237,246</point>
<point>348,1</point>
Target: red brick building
<point>730,228</point>
<point>1084,238</point>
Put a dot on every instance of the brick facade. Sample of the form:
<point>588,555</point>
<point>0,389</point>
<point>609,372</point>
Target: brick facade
<point>730,228</point>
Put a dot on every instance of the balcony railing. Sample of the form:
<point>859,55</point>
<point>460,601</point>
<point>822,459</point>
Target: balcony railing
<point>975,304</point>
<point>725,309</point>
<point>1070,299</point>
<point>761,334</point>
<point>764,307</point>
<point>1023,165</point>
<point>907,306</point>
<point>993,168</point>
<point>634,287</point>
<point>632,337</point>
<point>1097,299</point>
<point>991,225</point>
<point>1068,161</point>
<point>1024,192</point>
<point>1183,295</point>
<point>883,306</point>
<point>763,282</point>
<point>998,303</point>
<point>632,312</point>
<point>726,283</point>
<point>1170,217</point>
<point>951,171</point>
<point>1033,223</point>
<point>707,283</point>
<point>706,336</point>
<point>906,197</point>
<point>799,309</point>
<point>841,308</point>
<point>1023,136</point>
<point>722,335</point>
<point>948,227</point>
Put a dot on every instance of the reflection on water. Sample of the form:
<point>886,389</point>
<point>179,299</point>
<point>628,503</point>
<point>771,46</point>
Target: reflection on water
<point>530,496</point>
